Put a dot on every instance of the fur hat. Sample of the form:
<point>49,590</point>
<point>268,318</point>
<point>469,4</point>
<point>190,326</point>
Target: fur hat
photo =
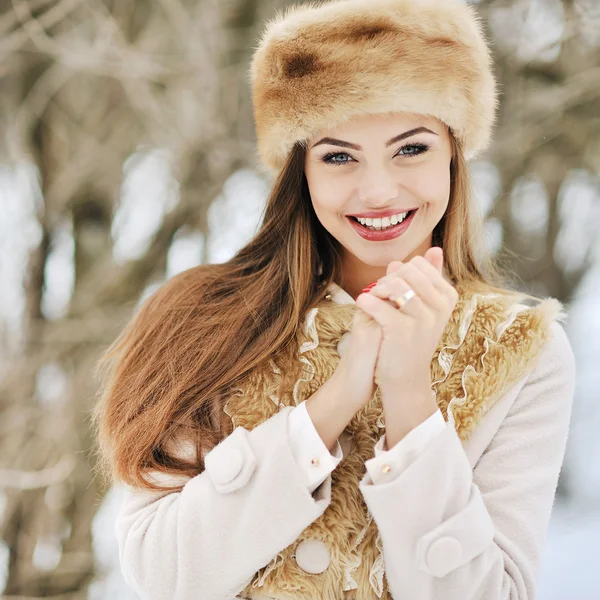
<point>317,65</point>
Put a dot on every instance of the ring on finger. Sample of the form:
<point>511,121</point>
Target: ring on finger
<point>403,299</point>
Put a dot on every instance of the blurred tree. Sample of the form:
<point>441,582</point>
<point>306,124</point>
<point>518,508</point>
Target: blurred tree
<point>84,85</point>
<point>547,57</point>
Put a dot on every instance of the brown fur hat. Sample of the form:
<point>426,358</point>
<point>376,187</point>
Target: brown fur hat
<point>317,65</point>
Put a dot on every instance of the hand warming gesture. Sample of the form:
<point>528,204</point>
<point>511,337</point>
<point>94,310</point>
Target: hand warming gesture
<point>410,336</point>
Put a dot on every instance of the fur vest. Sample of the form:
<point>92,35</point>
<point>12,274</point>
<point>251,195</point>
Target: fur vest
<point>490,342</point>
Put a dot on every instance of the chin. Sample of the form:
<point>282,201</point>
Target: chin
<point>376,259</point>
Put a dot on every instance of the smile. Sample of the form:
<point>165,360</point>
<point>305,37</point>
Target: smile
<point>381,234</point>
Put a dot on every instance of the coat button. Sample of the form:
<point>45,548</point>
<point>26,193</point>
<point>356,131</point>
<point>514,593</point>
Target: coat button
<point>343,343</point>
<point>227,466</point>
<point>443,556</point>
<point>312,556</point>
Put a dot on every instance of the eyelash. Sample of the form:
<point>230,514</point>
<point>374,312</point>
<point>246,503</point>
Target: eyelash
<point>327,158</point>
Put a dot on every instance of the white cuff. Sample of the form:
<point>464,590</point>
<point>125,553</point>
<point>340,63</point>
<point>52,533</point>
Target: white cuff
<point>309,449</point>
<point>388,464</point>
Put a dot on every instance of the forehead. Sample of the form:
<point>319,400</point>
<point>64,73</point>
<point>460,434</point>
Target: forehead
<point>375,126</point>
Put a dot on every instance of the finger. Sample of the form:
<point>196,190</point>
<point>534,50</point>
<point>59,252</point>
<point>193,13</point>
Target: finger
<point>384,313</point>
<point>437,279</point>
<point>399,273</point>
<point>410,275</point>
<point>397,286</point>
<point>393,266</point>
<point>435,255</point>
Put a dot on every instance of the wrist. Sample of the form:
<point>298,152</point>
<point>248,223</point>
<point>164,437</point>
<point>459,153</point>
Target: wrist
<point>351,389</point>
<point>403,415</point>
<point>420,395</point>
<point>341,396</point>
<point>329,412</point>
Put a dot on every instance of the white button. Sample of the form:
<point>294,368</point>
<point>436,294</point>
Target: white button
<point>312,556</point>
<point>226,464</point>
<point>443,555</point>
<point>343,343</point>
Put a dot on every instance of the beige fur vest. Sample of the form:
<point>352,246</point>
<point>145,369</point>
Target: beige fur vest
<point>489,343</point>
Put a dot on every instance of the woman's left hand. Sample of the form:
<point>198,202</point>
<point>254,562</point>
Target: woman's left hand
<point>410,335</point>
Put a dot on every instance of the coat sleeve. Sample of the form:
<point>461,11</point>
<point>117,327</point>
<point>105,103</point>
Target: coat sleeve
<point>457,533</point>
<point>316,461</point>
<point>207,541</point>
<point>404,451</point>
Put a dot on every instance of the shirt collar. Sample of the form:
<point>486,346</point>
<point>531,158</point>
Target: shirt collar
<point>339,295</point>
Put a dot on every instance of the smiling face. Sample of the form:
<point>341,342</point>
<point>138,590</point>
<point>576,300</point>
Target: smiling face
<point>376,166</point>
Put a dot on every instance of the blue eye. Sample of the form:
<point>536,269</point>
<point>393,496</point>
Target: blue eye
<point>332,158</point>
<point>419,149</point>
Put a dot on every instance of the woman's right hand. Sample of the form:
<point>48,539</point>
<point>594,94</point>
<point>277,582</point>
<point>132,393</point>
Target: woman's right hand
<point>352,384</point>
<point>356,369</point>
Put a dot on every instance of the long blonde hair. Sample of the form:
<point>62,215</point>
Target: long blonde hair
<point>190,343</point>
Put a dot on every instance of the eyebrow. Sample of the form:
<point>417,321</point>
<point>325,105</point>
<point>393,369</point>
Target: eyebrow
<point>411,132</point>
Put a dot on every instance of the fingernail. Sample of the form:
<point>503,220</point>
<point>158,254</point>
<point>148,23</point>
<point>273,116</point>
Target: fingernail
<point>369,287</point>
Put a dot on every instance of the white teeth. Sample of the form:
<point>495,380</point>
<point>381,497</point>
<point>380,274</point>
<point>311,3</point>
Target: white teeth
<point>383,223</point>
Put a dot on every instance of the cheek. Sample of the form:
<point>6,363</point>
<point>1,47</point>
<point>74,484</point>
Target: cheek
<point>328,196</point>
<point>431,184</point>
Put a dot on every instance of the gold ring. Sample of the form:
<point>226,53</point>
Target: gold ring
<point>402,300</point>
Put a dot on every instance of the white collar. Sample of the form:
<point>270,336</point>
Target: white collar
<point>339,294</point>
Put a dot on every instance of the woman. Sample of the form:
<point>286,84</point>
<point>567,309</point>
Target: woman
<point>281,434</point>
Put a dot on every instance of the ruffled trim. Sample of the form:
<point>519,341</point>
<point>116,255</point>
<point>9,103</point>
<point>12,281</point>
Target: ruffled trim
<point>273,397</point>
<point>355,559</point>
<point>445,359</point>
<point>500,329</point>
<point>310,330</point>
<point>236,392</point>
<point>378,569</point>
<point>275,562</point>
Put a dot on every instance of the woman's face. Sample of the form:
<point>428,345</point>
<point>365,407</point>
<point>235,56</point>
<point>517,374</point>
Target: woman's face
<point>374,166</point>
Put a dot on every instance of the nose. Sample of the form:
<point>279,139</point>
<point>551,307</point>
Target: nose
<point>377,185</point>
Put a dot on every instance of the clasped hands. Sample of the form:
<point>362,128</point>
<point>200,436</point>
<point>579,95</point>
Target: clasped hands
<point>410,335</point>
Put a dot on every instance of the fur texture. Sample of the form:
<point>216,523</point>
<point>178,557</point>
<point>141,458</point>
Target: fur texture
<point>489,344</point>
<point>319,64</point>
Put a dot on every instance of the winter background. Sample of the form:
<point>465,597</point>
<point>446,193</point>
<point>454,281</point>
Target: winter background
<point>186,168</point>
